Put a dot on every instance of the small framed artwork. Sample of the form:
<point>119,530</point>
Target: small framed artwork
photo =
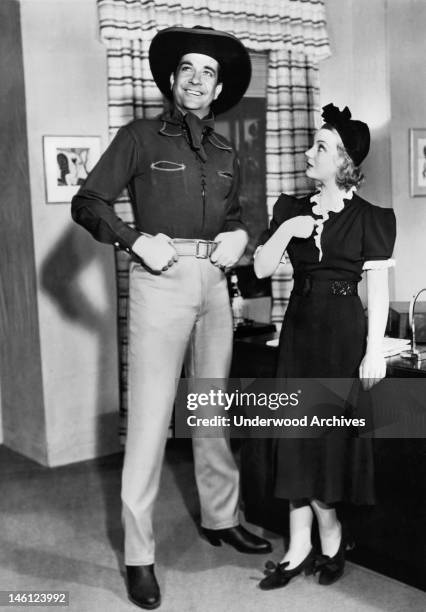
<point>67,162</point>
<point>418,162</point>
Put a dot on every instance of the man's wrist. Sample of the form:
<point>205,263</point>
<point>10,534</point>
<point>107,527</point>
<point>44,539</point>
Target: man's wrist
<point>139,244</point>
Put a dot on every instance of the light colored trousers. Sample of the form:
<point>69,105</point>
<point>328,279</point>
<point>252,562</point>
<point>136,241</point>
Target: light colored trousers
<point>181,315</point>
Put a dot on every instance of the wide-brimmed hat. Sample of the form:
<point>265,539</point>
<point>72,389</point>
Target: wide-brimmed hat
<point>169,45</point>
<point>355,134</point>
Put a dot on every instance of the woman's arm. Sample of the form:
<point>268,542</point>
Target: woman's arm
<point>373,365</point>
<point>269,255</point>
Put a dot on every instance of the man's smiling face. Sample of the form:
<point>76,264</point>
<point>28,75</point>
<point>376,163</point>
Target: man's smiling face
<point>195,83</point>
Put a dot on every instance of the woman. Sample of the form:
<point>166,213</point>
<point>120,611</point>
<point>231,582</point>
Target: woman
<point>330,238</point>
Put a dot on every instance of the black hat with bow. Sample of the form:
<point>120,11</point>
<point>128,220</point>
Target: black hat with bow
<point>355,134</point>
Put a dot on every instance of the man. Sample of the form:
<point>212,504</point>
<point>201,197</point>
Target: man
<point>183,183</point>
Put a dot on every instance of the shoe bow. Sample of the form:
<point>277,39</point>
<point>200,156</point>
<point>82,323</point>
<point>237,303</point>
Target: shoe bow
<point>271,567</point>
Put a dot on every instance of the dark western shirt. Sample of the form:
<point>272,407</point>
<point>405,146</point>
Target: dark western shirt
<point>172,190</point>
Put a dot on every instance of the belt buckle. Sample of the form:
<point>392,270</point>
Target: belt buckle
<point>197,249</point>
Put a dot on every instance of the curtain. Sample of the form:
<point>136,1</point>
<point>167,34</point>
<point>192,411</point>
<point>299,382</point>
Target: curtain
<point>292,32</point>
<point>291,115</point>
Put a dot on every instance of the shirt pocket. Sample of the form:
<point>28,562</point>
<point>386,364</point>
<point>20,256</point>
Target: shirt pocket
<point>224,182</point>
<point>169,178</point>
<point>163,165</point>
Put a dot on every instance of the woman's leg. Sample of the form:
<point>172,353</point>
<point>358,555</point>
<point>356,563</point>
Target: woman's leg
<point>300,533</point>
<point>330,529</point>
<point>300,556</point>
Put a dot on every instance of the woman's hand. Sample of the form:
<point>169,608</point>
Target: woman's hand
<point>301,226</point>
<point>372,369</point>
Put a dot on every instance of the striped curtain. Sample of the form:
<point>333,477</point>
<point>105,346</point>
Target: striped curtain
<point>292,113</point>
<point>292,33</point>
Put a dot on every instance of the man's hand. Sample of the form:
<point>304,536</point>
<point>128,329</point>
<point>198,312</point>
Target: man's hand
<point>156,252</point>
<point>230,247</point>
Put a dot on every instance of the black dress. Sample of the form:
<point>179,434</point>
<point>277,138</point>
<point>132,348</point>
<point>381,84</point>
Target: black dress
<point>324,336</point>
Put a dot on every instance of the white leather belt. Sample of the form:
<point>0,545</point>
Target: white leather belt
<point>202,249</point>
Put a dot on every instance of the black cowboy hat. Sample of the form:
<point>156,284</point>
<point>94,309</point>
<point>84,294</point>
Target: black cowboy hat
<point>169,45</point>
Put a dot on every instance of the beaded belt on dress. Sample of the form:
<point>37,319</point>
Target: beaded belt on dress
<point>305,285</point>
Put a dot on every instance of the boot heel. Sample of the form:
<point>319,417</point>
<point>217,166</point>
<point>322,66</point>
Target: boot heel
<point>213,539</point>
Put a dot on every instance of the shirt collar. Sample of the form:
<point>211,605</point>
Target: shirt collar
<point>174,122</point>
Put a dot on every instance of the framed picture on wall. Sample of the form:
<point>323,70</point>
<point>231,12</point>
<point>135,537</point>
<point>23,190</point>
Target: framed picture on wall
<point>418,162</point>
<point>67,162</point>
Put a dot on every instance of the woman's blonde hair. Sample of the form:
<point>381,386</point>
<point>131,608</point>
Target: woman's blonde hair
<point>348,174</point>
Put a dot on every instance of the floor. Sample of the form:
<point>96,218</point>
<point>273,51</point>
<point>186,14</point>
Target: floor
<point>60,530</point>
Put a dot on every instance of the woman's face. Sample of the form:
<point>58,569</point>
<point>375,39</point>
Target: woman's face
<point>323,157</point>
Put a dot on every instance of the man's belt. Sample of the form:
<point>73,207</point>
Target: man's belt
<point>202,249</point>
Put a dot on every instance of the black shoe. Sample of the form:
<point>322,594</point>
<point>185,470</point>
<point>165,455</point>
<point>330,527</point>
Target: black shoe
<point>331,568</point>
<point>238,537</point>
<point>142,586</point>
<point>280,576</point>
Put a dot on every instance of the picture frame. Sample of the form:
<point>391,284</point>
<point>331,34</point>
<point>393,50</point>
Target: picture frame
<point>417,162</point>
<point>67,162</point>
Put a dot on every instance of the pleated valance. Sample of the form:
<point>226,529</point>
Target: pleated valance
<point>298,26</point>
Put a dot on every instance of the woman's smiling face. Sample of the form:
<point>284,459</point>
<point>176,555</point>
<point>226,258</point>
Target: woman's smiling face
<point>322,161</point>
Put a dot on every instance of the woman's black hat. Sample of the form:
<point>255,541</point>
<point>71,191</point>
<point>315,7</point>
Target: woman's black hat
<point>355,134</point>
<point>169,45</point>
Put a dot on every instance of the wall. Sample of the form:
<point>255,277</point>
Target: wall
<point>376,69</point>
<point>407,21</point>
<point>350,77</point>
<point>1,417</point>
<point>21,388</point>
<point>66,92</point>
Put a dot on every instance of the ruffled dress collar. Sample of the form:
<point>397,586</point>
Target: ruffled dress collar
<point>323,214</point>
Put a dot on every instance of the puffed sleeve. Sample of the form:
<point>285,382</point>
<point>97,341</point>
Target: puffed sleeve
<point>284,209</point>
<point>379,238</point>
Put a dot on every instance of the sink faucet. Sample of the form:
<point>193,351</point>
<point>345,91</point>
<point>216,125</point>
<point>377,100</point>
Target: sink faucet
<point>413,352</point>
